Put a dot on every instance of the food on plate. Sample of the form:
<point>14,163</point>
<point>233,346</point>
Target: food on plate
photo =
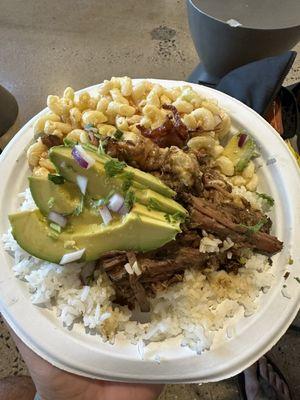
<point>142,197</point>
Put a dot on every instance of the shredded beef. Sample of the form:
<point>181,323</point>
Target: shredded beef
<point>51,140</point>
<point>212,206</point>
<point>142,154</point>
<point>208,216</point>
<point>176,168</point>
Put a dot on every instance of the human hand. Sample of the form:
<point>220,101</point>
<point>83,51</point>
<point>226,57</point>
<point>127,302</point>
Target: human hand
<point>55,384</point>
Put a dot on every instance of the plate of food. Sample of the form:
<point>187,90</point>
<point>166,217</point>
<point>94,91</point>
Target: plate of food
<point>149,233</point>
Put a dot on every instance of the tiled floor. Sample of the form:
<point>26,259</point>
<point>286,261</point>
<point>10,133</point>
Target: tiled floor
<point>46,46</point>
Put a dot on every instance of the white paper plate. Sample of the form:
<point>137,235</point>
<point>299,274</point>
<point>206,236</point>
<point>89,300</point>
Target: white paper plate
<point>87,355</point>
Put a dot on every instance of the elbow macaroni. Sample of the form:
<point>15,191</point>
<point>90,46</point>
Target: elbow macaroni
<point>35,153</point>
<point>122,109</point>
<point>75,117</point>
<point>205,119</point>
<point>121,123</point>
<point>85,101</point>
<point>183,106</point>
<point>51,126</point>
<point>226,165</point>
<point>120,105</point>
<point>78,135</point>
<point>93,117</point>
<point>39,125</point>
<point>106,129</point>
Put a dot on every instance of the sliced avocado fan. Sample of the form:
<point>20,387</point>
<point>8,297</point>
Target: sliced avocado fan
<point>136,232</point>
<point>62,158</point>
<point>153,220</point>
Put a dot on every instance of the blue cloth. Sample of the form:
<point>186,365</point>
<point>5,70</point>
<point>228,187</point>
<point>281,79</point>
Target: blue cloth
<point>37,397</point>
<point>256,84</point>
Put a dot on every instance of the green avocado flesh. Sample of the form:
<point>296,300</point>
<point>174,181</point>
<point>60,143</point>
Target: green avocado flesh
<point>240,156</point>
<point>133,232</point>
<point>100,185</point>
<point>48,197</point>
<point>66,165</point>
<point>153,220</point>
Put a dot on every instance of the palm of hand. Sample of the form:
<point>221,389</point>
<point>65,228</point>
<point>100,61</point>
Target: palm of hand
<point>54,384</point>
<point>67,386</point>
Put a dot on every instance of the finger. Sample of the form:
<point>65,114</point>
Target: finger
<point>35,363</point>
<point>125,391</point>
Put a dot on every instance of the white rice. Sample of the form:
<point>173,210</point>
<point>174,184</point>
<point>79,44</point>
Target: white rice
<point>195,308</point>
<point>256,202</point>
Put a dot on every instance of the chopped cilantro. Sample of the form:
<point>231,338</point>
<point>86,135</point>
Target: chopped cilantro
<point>270,201</point>
<point>102,202</point>
<point>176,217</point>
<point>118,134</point>
<point>291,261</point>
<point>127,180</point>
<point>114,167</point>
<point>254,228</point>
<point>168,217</point>
<point>57,179</point>
<point>79,208</point>
<point>69,143</point>
<point>129,200</point>
<point>242,260</point>
<point>55,227</point>
<point>90,147</point>
<point>297,278</point>
<point>153,204</point>
<point>51,202</point>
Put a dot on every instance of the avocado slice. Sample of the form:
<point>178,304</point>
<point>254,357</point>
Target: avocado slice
<point>65,198</point>
<point>48,196</point>
<point>156,201</point>
<point>134,231</point>
<point>67,167</point>
<point>142,210</point>
<point>240,156</point>
<point>100,185</point>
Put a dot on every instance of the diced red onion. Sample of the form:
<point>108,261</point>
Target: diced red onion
<point>128,269</point>
<point>82,183</point>
<point>82,157</point>
<point>136,269</point>
<point>57,218</point>
<point>242,139</point>
<point>105,215</point>
<point>71,257</point>
<point>116,202</point>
